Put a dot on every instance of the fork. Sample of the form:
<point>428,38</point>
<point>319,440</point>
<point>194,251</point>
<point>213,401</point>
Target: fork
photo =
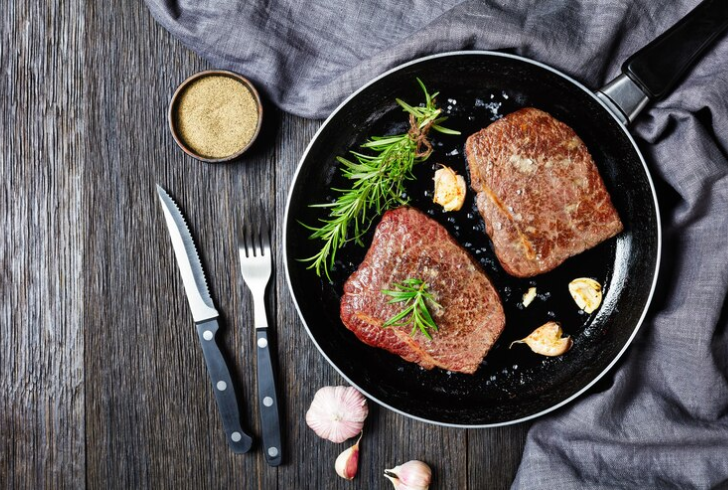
<point>256,263</point>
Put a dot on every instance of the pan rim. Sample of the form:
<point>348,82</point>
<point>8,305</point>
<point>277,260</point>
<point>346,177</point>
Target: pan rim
<point>658,252</point>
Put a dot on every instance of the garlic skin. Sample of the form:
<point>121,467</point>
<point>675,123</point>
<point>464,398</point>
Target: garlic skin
<point>546,340</point>
<point>587,293</point>
<point>450,189</point>
<point>528,297</point>
<point>337,413</point>
<point>412,475</point>
<point>347,463</point>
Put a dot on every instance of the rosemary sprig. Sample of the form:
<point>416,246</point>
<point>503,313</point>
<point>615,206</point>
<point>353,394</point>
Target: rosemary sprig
<point>378,182</point>
<point>414,294</point>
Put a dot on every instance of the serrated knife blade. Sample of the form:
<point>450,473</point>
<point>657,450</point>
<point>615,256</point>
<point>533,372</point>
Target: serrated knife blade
<point>190,267</point>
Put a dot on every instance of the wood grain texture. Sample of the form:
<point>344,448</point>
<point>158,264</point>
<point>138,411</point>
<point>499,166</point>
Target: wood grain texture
<point>41,247</point>
<point>103,383</point>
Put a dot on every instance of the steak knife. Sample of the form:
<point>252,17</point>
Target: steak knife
<point>205,316</point>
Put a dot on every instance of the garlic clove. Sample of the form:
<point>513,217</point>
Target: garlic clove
<point>337,413</point>
<point>347,463</point>
<point>450,189</point>
<point>528,297</point>
<point>547,340</point>
<point>412,475</point>
<point>587,293</point>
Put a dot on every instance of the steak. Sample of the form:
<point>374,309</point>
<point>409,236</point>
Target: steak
<point>538,191</point>
<point>409,245</point>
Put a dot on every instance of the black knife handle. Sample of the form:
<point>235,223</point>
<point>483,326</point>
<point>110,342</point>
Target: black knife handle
<point>222,385</point>
<point>267,400</point>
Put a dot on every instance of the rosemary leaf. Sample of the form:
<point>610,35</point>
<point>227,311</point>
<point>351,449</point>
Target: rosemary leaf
<point>413,293</point>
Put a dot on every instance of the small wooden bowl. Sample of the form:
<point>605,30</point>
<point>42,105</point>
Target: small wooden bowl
<point>171,115</point>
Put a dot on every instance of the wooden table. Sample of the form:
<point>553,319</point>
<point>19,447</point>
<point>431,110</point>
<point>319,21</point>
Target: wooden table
<point>102,381</point>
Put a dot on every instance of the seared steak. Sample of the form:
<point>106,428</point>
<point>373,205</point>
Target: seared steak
<point>539,192</point>
<point>409,245</point>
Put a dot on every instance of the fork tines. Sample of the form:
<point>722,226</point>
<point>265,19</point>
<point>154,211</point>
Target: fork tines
<point>255,241</point>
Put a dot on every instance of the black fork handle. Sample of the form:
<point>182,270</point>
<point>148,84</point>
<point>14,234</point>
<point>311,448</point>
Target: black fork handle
<point>268,400</point>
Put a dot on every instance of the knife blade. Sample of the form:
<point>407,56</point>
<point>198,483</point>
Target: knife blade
<point>205,317</point>
<point>193,276</point>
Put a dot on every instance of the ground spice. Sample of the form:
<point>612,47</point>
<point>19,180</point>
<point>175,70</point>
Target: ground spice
<point>216,116</point>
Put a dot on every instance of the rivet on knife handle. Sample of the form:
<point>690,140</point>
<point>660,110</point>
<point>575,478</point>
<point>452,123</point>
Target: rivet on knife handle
<point>222,385</point>
<point>268,400</point>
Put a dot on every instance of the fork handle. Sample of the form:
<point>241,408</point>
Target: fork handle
<point>268,400</point>
<point>222,385</point>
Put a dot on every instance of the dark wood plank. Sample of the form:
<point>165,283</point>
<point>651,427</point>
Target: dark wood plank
<point>150,404</point>
<point>148,394</point>
<point>494,455</point>
<point>41,247</point>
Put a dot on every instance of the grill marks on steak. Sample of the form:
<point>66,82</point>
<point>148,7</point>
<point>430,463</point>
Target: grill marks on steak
<point>539,192</point>
<point>408,244</point>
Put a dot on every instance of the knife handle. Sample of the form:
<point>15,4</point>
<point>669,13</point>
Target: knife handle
<point>222,385</point>
<point>267,400</point>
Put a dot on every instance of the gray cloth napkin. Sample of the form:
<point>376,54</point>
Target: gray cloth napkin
<point>660,420</point>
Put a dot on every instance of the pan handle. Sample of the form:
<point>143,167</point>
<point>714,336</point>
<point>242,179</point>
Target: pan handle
<point>653,71</point>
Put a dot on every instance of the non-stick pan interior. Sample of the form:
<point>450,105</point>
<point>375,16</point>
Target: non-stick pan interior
<point>511,384</point>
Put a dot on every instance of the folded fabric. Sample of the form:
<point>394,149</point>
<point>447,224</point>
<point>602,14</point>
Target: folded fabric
<point>660,420</point>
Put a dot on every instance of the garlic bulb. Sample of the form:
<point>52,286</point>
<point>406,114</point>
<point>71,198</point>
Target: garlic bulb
<point>347,463</point>
<point>547,340</point>
<point>337,413</point>
<point>412,475</point>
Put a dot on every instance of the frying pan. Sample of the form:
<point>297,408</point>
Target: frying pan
<point>477,87</point>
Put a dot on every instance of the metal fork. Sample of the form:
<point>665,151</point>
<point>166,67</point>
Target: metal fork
<point>256,265</point>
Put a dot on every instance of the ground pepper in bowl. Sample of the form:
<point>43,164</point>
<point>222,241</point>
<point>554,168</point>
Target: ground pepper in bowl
<point>215,115</point>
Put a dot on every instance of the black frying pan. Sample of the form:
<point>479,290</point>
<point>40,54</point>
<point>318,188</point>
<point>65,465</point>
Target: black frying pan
<point>475,88</point>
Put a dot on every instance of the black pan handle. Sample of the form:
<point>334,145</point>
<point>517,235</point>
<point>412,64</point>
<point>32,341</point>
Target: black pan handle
<point>654,70</point>
<point>658,67</point>
<point>222,385</point>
